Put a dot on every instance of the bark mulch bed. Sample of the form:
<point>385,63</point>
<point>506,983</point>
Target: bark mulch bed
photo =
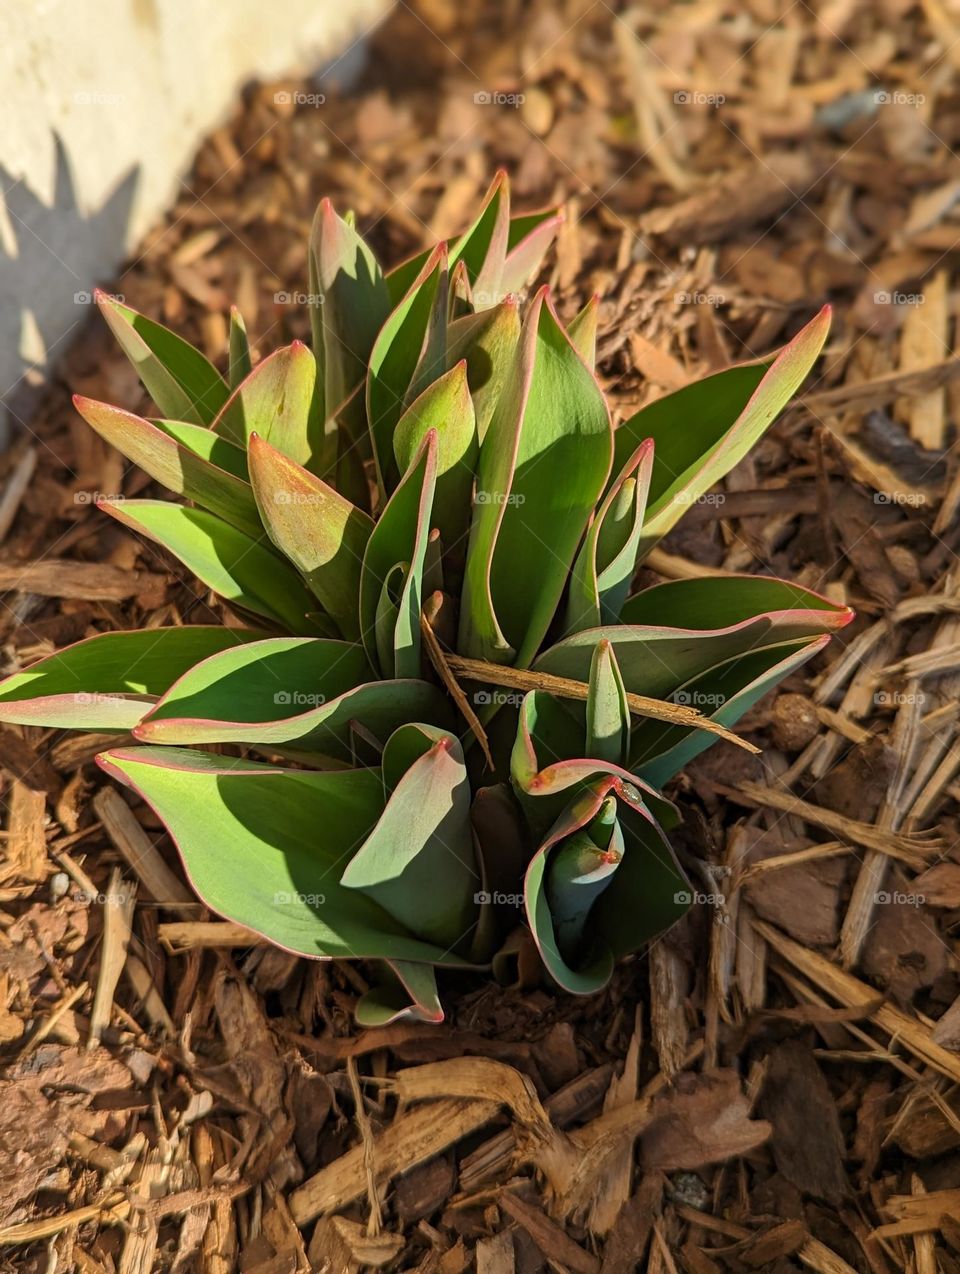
<point>776,1084</point>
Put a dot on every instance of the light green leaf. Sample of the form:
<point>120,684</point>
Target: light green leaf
<point>183,384</point>
<point>418,862</point>
<point>108,682</point>
<point>445,406</point>
<point>349,305</point>
<point>177,466</point>
<point>320,532</point>
<point>265,847</point>
<point>400,536</point>
<point>488,341</point>
<point>702,430</point>
<point>309,691</point>
<point>275,402</point>
<point>543,464</point>
<point>606,563</point>
<point>530,237</point>
<point>407,338</point>
<point>242,570</point>
<point>240,363</point>
<point>583,331</point>
<point>607,712</point>
<point>406,992</point>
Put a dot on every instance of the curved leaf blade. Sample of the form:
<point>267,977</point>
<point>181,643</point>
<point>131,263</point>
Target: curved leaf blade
<point>275,401</point>
<point>543,464</point>
<point>169,461</point>
<point>242,570</point>
<point>265,846</point>
<point>400,536</point>
<point>181,381</point>
<point>310,691</point>
<point>314,527</point>
<point>109,681</point>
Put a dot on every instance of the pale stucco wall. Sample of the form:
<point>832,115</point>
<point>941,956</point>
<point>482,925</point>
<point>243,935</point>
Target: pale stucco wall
<point>104,104</point>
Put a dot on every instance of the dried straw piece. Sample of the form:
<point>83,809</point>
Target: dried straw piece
<point>565,688</point>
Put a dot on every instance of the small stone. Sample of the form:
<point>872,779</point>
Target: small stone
<point>59,885</point>
<point>794,722</point>
<point>688,1188</point>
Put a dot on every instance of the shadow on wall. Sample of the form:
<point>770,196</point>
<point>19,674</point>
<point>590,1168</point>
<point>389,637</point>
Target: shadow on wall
<point>48,257</point>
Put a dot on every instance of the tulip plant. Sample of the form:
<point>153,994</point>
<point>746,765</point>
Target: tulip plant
<point>442,714</point>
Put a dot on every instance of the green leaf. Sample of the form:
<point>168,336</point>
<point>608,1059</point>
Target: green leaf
<point>606,563</point>
<point>659,658</point>
<point>446,407</point>
<point>320,532</point>
<point>203,442</point>
<point>265,847</point>
<point>240,364</point>
<point>702,430</point>
<point>418,863</point>
<point>406,993</point>
<point>397,354</point>
<point>308,691</point>
<point>488,341</point>
<point>530,237</point>
<point>242,570</point>
<point>109,681</point>
<point>543,464</point>
<point>659,751</point>
<point>482,248</point>
<point>183,384</point>
<point>350,303</point>
<point>579,870</point>
<point>400,536</point>
<point>274,401</point>
<point>583,331</point>
<point>646,895</point>
<point>607,712</point>
<point>169,461</point>
<point>715,602</point>
<point>550,762</point>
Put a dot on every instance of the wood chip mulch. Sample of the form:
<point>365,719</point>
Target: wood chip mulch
<point>776,1084</point>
